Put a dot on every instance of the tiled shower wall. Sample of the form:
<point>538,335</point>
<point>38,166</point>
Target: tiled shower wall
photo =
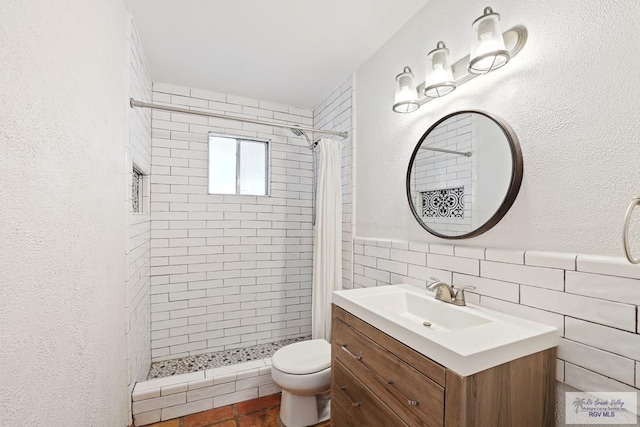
<point>335,113</point>
<point>138,243</point>
<point>593,301</point>
<point>227,271</point>
<point>434,170</point>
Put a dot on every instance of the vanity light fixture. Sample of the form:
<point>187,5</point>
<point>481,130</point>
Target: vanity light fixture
<point>439,78</point>
<point>487,46</point>
<point>406,96</point>
<point>490,50</point>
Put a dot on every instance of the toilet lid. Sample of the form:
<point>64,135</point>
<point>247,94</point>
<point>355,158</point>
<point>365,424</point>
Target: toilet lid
<point>305,357</point>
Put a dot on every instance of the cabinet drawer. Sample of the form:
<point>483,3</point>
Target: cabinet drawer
<point>414,397</point>
<point>353,405</point>
<point>421,363</point>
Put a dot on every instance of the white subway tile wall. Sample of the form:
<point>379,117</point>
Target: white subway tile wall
<point>593,301</point>
<point>227,271</point>
<point>335,113</point>
<point>138,152</point>
<point>171,397</point>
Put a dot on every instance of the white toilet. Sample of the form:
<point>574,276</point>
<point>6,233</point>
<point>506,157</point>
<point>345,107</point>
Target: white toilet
<point>303,371</point>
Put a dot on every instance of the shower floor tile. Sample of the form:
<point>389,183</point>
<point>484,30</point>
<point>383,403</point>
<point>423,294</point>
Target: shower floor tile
<point>201,362</point>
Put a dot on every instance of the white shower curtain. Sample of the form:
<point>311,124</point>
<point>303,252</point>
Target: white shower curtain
<point>327,249</point>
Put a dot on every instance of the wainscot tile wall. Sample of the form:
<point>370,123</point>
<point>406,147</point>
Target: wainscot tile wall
<point>227,271</point>
<point>593,301</point>
<point>138,151</point>
<point>335,113</point>
<point>178,395</point>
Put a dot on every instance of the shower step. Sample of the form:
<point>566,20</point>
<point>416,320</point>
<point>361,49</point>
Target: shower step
<point>178,395</point>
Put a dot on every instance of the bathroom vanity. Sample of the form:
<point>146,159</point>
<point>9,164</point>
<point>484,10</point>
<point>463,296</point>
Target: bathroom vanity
<point>379,380</point>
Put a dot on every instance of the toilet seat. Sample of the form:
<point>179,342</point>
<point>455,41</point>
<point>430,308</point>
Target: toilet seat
<point>303,358</point>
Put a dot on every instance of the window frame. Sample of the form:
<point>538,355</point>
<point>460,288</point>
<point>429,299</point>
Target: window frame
<point>238,140</point>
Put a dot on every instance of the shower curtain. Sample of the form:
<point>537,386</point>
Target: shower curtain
<point>327,249</point>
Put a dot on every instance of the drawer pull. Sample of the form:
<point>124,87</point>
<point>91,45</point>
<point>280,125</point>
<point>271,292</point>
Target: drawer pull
<point>351,402</point>
<point>392,389</point>
<point>344,347</point>
<point>398,395</point>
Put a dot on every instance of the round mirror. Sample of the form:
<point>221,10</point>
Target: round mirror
<point>464,174</point>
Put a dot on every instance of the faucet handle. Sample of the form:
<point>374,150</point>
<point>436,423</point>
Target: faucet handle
<point>459,297</point>
<point>433,280</point>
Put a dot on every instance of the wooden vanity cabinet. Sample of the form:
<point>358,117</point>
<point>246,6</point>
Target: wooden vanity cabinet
<point>378,381</point>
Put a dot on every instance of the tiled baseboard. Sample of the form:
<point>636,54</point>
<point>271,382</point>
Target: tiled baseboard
<point>171,397</point>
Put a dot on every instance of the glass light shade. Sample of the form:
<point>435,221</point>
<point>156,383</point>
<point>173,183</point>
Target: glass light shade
<point>406,95</point>
<point>439,79</point>
<point>487,46</point>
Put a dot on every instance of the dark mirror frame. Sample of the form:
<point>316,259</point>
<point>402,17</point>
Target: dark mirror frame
<point>517,170</point>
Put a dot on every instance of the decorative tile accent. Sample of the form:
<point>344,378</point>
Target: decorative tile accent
<point>445,203</point>
<point>214,360</point>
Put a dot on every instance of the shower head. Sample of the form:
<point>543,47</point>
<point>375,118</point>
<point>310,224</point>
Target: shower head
<point>300,132</point>
<point>296,132</point>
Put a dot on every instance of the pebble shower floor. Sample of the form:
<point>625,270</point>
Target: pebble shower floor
<point>201,362</point>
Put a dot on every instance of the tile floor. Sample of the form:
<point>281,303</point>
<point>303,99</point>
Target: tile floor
<point>261,412</point>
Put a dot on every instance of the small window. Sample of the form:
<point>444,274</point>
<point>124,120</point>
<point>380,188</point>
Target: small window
<point>238,166</point>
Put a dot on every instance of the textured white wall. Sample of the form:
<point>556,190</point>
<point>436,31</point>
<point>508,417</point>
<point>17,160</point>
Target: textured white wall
<point>571,96</point>
<point>62,116</point>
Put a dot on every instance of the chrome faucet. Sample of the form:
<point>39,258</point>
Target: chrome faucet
<point>446,293</point>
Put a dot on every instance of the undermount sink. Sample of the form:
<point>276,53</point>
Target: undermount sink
<point>466,340</point>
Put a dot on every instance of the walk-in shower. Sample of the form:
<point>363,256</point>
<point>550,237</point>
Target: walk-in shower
<point>213,286</point>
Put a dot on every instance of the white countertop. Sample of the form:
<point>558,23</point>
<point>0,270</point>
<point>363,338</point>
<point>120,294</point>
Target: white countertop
<point>496,339</point>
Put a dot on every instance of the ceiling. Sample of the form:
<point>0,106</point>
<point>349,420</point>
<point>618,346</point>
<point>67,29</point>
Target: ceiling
<point>290,51</point>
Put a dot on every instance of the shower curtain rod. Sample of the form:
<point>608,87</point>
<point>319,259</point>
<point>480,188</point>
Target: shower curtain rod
<point>442,150</point>
<point>136,103</point>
